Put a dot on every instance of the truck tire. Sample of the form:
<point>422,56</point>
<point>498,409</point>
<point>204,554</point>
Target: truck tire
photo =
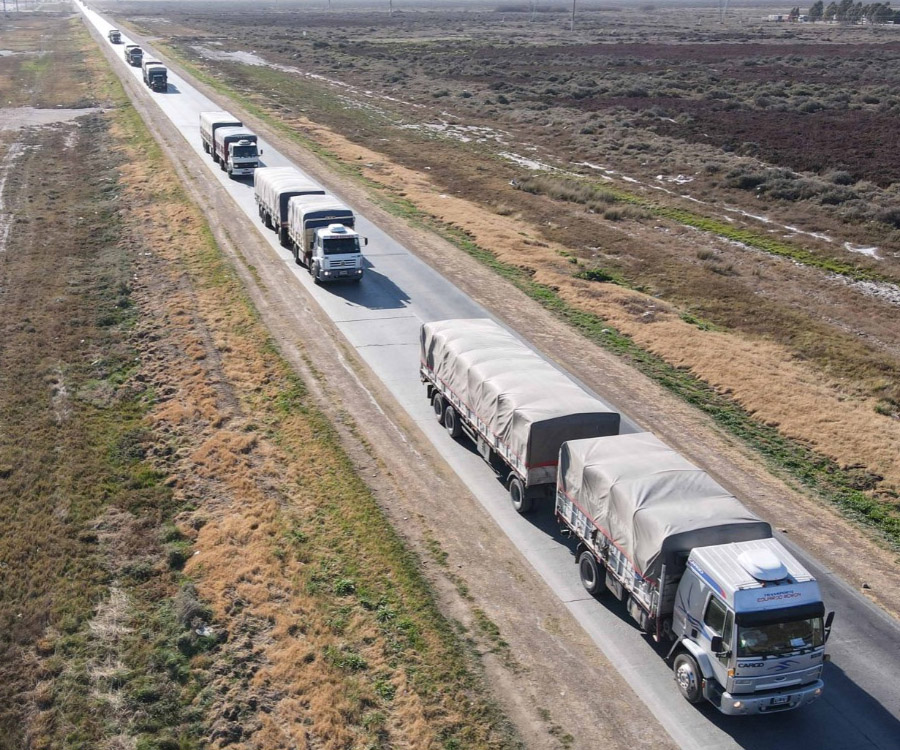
<point>205,147</point>
<point>437,403</point>
<point>519,496</point>
<point>590,574</point>
<point>314,272</point>
<point>452,423</point>
<point>688,677</point>
<point>283,238</point>
<point>267,220</point>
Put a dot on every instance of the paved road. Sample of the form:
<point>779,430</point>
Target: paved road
<point>381,316</point>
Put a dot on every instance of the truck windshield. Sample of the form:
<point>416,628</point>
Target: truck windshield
<point>772,639</point>
<point>341,245</point>
<point>243,151</point>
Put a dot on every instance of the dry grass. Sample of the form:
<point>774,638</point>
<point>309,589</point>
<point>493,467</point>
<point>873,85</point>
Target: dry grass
<point>301,621</point>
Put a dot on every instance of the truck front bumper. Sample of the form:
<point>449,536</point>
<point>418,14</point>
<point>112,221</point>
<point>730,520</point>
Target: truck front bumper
<point>242,171</point>
<point>770,702</point>
<point>340,274</point>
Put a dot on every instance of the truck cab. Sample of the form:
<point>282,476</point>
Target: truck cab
<point>336,254</point>
<point>115,36</point>
<point>750,629</point>
<point>237,150</point>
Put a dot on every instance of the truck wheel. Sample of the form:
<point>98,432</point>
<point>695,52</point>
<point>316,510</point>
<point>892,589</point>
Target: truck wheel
<point>267,220</point>
<point>520,499</point>
<point>283,238</point>
<point>437,403</point>
<point>590,574</point>
<point>205,147</point>
<point>314,272</point>
<point>451,422</point>
<point>687,677</point>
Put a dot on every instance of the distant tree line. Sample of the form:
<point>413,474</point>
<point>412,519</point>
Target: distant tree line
<point>846,11</point>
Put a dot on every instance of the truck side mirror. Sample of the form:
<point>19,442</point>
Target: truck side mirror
<point>365,241</point>
<point>829,618</point>
<point>260,152</point>
<point>715,644</point>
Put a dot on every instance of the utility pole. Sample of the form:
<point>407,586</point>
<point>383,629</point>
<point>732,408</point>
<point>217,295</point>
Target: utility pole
<point>572,27</point>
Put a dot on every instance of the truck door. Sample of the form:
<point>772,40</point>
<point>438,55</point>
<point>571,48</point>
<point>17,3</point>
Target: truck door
<point>718,620</point>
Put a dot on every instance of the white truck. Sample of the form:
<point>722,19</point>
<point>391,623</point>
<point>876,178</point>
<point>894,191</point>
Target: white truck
<point>115,36</point>
<point>236,150</point>
<point>516,407</point>
<point>155,75</point>
<point>209,123</point>
<point>320,230</point>
<point>273,187</point>
<point>694,566</point>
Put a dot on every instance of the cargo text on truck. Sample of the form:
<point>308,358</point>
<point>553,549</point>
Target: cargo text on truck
<point>691,564</point>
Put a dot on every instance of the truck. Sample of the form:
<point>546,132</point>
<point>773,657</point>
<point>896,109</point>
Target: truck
<point>235,149</point>
<point>273,187</point>
<point>513,405</point>
<point>156,76</point>
<point>321,236</point>
<point>114,36</point>
<point>134,55</point>
<point>696,568</point>
<point>209,123</point>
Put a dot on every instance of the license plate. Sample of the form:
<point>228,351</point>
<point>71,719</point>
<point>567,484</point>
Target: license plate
<point>342,273</point>
<point>780,700</point>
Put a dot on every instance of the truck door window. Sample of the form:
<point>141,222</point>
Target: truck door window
<point>714,618</point>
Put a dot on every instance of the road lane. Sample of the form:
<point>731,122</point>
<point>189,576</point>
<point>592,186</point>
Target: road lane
<point>380,318</point>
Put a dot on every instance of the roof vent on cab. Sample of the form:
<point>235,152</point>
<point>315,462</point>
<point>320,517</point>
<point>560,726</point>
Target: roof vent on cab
<point>763,565</point>
<point>337,229</point>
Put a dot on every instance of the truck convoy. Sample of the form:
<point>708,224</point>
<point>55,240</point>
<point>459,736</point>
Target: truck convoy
<point>691,564</point>
<point>273,187</point>
<point>155,75</point>
<point>321,235</point>
<point>515,407</point>
<point>235,149</point>
<point>134,55</point>
<point>114,36</point>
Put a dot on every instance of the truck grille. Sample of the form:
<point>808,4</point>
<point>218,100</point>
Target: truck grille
<point>351,263</point>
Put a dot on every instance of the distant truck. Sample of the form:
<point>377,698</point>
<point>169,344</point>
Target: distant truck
<point>273,188</point>
<point>517,408</point>
<point>235,149</point>
<point>209,123</point>
<point>134,55</point>
<point>115,36</point>
<point>321,235</point>
<point>696,567</point>
<point>156,75</point>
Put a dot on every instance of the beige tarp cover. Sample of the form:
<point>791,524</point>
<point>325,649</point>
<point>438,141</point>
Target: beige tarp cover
<point>651,502</point>
<point>522,399</point>
<point>275,186</point>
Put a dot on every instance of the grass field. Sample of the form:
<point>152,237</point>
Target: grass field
<point>190,559</point>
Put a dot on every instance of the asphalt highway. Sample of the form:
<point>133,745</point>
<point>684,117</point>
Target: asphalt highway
<point>381,316</point>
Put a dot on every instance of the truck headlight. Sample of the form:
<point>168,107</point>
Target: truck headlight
<point>737,704</point>
<point>817,692</point>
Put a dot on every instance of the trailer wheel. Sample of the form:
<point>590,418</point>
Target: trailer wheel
<point>589,572</point>
<point>451,422</point>
<point>267,220</point>
<point>520,499</point>
<point>205,147</point>
<point>687,677</point>
<point>437,403</point>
